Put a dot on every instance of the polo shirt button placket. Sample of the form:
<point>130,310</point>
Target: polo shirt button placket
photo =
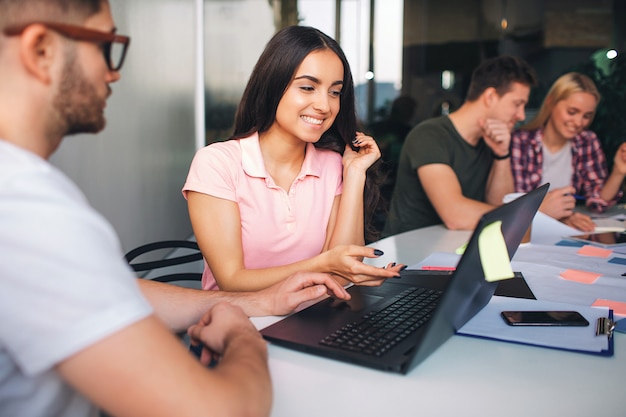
<point>291,220</point>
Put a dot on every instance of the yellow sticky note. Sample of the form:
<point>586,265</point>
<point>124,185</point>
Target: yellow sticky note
<point>461,249</point>
<point>494,256</point>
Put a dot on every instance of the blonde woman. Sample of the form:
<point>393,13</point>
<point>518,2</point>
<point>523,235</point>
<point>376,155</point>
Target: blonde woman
<point>557,147</point>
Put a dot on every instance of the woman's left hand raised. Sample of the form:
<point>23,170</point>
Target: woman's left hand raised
<point>619,161</point>
<point>366,154</point>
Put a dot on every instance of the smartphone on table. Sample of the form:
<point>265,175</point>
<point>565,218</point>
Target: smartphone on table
<point>544,318</point>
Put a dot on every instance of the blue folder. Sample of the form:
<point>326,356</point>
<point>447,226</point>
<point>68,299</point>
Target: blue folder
<point>488,325</point>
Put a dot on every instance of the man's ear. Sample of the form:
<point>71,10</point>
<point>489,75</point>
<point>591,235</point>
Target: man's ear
<point>489,96</point>
<point>38,50</point>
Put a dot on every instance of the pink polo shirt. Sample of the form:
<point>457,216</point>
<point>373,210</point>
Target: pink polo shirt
<point>277,227</point>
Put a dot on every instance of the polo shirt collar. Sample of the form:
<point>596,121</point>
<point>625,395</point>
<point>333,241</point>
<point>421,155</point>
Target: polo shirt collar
<point>253,165</point>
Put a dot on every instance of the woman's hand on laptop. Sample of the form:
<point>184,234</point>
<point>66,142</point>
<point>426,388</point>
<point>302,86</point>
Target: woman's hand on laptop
<point>342,265</point>
<point>344,262</point>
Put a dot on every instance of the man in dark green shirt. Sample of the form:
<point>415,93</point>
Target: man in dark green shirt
<point>455,168</point>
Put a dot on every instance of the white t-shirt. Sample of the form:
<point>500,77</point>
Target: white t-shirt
<point>64,285</point>
<point>557,167</point>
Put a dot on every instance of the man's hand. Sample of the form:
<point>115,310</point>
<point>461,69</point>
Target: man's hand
<point>344,265</point>
<point>285,296</point>
<point>218,327</point>
<point>496,135</point>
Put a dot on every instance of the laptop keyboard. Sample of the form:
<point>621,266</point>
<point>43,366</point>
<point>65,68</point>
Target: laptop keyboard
<point>377,332</point>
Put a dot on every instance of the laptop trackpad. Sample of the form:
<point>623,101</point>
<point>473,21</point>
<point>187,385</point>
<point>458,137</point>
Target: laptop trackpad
<point>358,302</point>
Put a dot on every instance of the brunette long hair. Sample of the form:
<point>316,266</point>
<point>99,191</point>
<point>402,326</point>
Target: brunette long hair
<point>270,78</point>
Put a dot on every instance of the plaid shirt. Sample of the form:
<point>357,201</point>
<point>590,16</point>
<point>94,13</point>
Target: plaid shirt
<point>588,163</point>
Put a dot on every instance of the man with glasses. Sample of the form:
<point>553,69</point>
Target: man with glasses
<point>77,328</point>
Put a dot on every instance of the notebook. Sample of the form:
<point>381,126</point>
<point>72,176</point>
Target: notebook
<point>356,331</point>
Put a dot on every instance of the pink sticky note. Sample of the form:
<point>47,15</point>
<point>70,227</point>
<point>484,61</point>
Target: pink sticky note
<point>583,277</point>
<point>617,306</point>
<point>590,250</point>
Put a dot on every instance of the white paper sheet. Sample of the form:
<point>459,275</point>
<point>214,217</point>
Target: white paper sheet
<point>547,230</point>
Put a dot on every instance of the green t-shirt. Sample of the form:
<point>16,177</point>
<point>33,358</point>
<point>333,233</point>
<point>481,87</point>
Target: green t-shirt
<point>434,141</point>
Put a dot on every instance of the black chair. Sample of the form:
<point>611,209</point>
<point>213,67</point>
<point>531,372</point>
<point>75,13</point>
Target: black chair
<point>163,262</point>
<point>167,261</point>
<point>171,255</point>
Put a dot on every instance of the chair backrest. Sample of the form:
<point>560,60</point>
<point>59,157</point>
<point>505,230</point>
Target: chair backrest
<point>181,252</point>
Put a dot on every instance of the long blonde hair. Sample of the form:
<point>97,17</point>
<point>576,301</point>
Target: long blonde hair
<point>563,87</point>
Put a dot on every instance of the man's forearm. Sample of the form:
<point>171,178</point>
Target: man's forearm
<point>500,182</point>
<point>244,365</point>
<point>180,307</point>
<point>176,306</point>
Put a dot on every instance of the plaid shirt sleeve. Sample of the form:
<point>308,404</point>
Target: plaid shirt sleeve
<point>590,170</point>
<point>526,160</point>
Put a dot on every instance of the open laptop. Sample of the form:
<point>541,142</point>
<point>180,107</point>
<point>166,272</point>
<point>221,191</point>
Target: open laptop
<point>342,330</point>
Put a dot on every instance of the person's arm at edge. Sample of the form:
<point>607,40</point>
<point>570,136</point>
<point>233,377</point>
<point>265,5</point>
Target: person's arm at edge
<point>612,186</point>
<point>613,183</point>
<point>143,370</point>
<point>180,307</point>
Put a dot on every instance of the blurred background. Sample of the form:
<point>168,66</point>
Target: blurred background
<point>189,62</point>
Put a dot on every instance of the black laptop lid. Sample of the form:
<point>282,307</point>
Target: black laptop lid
<point>465,292</point>
<point>468,291</point>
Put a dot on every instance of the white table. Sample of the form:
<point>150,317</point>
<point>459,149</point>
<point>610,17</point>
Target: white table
<point>464,377</point>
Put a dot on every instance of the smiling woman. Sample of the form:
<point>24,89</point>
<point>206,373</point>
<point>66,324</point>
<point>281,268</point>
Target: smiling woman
<point>288,191</point>
<point>308,106</point>
<point>557,147</point>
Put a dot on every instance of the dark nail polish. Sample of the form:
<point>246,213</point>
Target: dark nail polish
<point>378,252</point>
<point>404,267</point>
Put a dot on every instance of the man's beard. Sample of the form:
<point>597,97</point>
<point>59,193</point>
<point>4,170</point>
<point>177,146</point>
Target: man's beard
<point>78,107</point>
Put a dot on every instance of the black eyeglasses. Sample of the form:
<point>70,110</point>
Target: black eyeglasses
<point>113,46</point>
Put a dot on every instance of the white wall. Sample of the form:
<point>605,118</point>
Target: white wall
<point>133,171</point>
